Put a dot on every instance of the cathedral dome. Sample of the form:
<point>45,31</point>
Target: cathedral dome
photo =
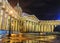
<point>18,9</point>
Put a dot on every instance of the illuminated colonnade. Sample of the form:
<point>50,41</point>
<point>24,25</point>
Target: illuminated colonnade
<point>28,23</point>
<point>40,26</point>
<point>48,26</point>
<point>9,18</point>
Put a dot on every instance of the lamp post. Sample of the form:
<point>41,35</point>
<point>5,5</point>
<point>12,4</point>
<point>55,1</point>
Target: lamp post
<point>11,12</point>
<point>9,35</point>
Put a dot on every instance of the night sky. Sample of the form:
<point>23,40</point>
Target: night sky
<point>43,9</point>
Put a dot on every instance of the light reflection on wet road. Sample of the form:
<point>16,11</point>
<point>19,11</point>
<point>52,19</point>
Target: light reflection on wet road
<point>52,39</point>
<point>35,38</point>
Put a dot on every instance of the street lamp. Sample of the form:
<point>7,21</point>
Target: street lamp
<point>9,35</point>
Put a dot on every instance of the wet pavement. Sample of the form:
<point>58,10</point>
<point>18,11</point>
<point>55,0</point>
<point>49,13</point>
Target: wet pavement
<point>36,38</point>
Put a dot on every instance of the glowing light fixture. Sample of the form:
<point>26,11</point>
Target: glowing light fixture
<point>11,13</point>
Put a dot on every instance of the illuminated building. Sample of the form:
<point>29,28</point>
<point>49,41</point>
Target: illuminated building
<point>18,9</point>
<point>48,25</point>
<point>11,19</point>
<point>28,23</point>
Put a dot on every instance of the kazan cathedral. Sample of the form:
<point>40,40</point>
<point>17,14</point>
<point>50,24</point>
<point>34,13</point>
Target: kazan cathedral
<point>19,27</point>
